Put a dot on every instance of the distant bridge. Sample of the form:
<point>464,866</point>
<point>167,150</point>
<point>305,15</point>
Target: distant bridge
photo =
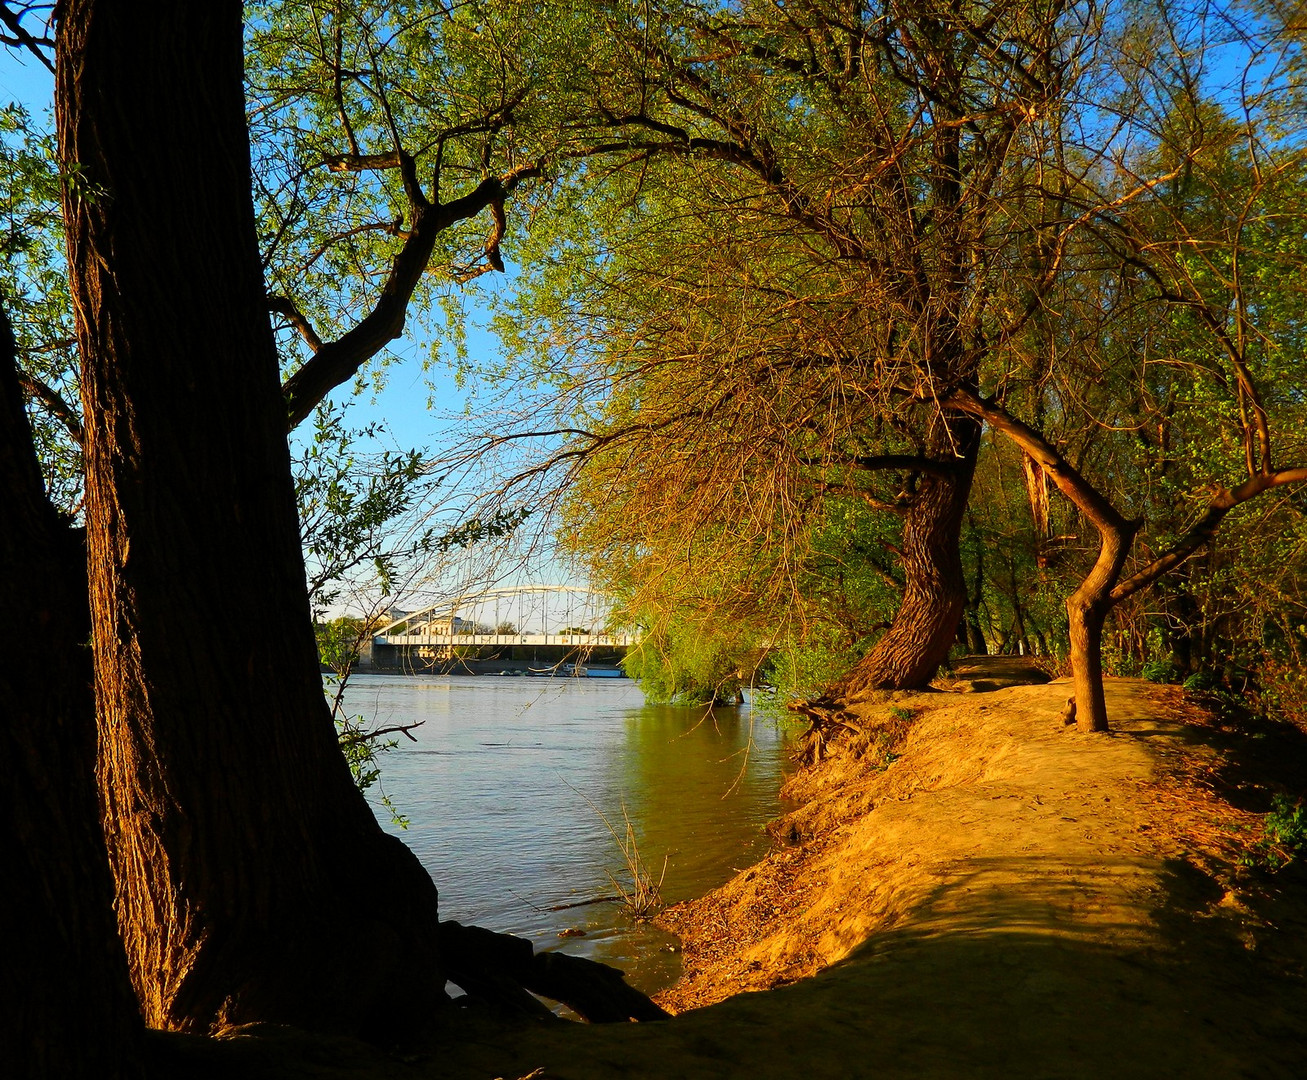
<point>562,617</point>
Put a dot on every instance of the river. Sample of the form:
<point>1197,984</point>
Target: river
<point>506,782</point>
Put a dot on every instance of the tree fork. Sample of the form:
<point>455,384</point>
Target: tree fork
<point>1102,589</point>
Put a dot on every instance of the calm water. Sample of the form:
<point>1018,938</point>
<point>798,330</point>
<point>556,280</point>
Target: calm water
<point>496,790</point>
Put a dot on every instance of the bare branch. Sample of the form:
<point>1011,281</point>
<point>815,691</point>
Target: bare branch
<point>354,737</point>
<point>336,361</point>
<point>20,37</point>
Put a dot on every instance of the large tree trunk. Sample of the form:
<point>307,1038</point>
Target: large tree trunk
<point>253,882</point>
<point>68,1008</point>
<point>925,626</point>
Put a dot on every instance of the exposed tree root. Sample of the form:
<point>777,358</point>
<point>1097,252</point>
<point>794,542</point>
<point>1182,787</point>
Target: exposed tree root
<point>828,720</point>
<point>505,971</point>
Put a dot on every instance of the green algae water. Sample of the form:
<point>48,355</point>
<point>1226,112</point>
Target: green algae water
<point>506,782</point>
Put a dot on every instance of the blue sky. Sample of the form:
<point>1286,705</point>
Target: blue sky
<point>23,80</point>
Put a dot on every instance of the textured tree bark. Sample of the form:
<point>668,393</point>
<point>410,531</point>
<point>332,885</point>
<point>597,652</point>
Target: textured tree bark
<point>935,590</point>
<point>253,882</point>
<point>1086,655</point>
<point>68,1008</point>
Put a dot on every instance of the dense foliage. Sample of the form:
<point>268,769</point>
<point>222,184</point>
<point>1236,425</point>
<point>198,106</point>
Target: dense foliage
<point>34,288</point>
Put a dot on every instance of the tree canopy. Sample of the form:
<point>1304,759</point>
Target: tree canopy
<point>835,233</point>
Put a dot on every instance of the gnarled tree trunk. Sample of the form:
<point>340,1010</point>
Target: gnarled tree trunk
<point>1087,616</point>
<point>1087,609</point>
<point>925,626</point>
<point>68,1005</point>
<point>253,882</point>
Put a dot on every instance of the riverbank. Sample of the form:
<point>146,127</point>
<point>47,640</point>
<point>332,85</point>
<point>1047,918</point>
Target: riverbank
<point>505,781</point>
<point>982,893</point>
<point>998,832</point>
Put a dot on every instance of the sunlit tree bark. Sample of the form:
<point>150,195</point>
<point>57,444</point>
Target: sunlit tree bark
<point>248,869</point>
<point>925,625</point>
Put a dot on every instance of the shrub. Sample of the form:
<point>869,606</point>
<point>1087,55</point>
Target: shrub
<point>1202,680</point>
<point>1286,826</point>
<point>1284,836</point>
<point>1160,671</point>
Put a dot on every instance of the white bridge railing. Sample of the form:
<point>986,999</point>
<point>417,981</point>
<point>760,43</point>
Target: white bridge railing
<point>449,641</point>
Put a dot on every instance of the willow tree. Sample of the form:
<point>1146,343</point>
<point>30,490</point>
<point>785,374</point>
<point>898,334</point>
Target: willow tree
<point>713,474</point>
<point>246,863</point>
<point>809,208</point>
<point>398,152</point>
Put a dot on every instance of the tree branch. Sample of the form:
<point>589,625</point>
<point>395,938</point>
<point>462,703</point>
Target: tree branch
<point>285,306</point>
<point>336,361</point>
<point>406,730</point>
<point>1087,498</point>
<point>353,162</point>
<point>899,508</point>
<point>900,463</point>
<point>1202,532</point>
<point>53,400</point>
<point>23,38</point>
<point>742,154</point>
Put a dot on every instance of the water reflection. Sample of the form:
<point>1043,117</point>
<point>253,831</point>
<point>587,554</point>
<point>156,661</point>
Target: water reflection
<point>695,778</point>
<point>496,789</point>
